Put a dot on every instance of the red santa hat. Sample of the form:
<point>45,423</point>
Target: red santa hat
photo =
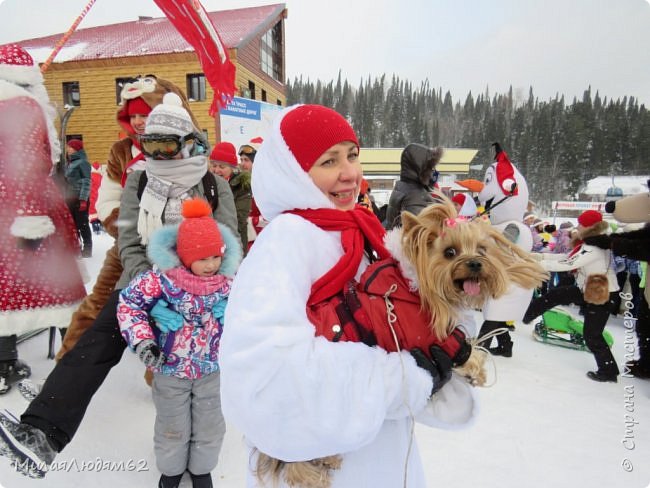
<point>224,152</point>
<point>198,234</point>
<point>325,126</point>
<point>17,66</point>
<point>459,198</point>
<point>505,171</point>
<point>589,218</point>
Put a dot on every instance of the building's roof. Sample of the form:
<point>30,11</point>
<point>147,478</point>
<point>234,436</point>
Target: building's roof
<point>386,161</point>
<point>629,185</point>
<point>151,36</point>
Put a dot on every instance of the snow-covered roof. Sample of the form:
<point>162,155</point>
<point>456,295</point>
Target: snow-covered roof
<point>150,36</point>
<point>631,185</point>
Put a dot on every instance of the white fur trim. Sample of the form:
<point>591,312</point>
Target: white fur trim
<point>21,321</point>
<point>23,75</point>
<point>83,271</point>
<point>279,182</point>
<point>37,92</point>
<point>32,227</point>
<point>393,242</point>
<point>108,198</point>
<point>10,90</point>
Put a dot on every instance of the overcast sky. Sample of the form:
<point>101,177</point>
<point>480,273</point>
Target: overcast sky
<point>555,46</point>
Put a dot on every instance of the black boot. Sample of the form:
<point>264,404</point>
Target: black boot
<point>170,481</point>
<point>602,377</point>
<point>11,372</point>
<point>504,347</point>
<point>27,447</point>
<point>637,369</point>
<point>504,350</point>
<point>607,371</point>
<point>201,480</point>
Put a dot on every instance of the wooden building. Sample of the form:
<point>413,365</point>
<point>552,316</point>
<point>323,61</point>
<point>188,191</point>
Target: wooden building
<point>88,72</point>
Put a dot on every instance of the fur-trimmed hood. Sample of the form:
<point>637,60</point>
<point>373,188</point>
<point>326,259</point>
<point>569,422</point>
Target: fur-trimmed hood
<point>595,230</point>
<point>161,250</point>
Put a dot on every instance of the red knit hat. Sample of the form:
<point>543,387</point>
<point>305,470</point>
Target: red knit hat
<point>137,106</point>
<point>224,152</point>
<point>589,218</point>
<point>310,130</point>
<point>76,144</point>
<point>198,233</point>
<point>459,198</point>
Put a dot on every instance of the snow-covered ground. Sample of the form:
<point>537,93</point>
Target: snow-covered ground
<point>542,425</point>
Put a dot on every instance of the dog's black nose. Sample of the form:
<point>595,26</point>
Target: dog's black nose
<point>474,265</point>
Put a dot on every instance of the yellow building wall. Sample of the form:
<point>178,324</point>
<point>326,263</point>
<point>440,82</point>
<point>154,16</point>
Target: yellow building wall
<point>272,94</point>
<point>95,118</point>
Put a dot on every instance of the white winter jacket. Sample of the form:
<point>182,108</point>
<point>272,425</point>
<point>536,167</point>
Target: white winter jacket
<point>587,260</point>
<point>296,396</point>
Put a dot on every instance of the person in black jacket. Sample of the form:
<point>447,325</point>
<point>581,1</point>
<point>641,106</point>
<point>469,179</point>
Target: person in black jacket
<point>413,190</point>
<point>633,245</point>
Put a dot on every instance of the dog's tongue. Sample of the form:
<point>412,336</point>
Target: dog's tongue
<point>471,287</point>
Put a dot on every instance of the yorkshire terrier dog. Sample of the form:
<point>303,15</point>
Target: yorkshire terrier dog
<point>454,265</point>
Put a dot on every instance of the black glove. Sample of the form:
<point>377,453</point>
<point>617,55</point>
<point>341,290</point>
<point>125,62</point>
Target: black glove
<point>602,241</point>
<point>463,354</point>
<point>149,353</point>
<point>439,366</point>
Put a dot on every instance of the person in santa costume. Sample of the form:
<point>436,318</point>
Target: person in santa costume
<point>40,282</point>
<point>295,396</point>
<point>505,198</point>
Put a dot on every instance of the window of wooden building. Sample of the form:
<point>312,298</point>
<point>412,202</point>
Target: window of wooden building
<point>71,95</point>
<point>196,87</point>
<point>271,52</point>
<point>264,95</point>
<point>251,90</point>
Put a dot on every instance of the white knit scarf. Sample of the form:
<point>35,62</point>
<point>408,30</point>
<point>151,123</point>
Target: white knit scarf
<point>167,183</point>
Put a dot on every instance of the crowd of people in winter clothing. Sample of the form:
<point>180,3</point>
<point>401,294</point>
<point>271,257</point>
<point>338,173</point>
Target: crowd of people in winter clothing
<point>172,290</point>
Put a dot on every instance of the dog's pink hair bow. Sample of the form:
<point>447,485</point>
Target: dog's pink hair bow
<point>458,220</point>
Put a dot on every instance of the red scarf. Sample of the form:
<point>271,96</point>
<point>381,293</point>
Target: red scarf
<point>576,248</point>
<point>355,225</point>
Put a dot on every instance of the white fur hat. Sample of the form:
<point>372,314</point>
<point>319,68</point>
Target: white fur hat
<point>169,117</point>
<point>17,66</point>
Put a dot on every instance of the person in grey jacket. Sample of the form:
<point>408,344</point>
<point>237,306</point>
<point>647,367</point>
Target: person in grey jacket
<point>413,190</point>
<point>175,168</point>
<point>77,177</point>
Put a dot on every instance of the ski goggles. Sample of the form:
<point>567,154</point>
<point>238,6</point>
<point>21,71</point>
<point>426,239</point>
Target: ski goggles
<point>164,146</point>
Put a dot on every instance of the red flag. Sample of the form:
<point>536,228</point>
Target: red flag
<point>192,22</point>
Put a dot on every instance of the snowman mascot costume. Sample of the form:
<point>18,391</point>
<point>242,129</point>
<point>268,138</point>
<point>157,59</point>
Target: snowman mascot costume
<point>505,198</point>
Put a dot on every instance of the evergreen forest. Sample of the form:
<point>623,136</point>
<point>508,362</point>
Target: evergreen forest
<point>558,145</point>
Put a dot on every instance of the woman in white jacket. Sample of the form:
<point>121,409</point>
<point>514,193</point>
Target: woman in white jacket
<point>295,396</point>
<point>587,261</point>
